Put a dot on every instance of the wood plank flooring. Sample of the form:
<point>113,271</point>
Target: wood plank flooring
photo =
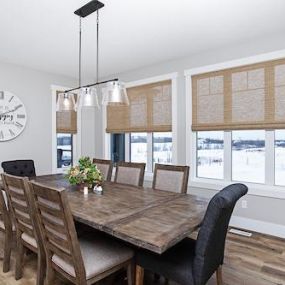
<point>258,260</point>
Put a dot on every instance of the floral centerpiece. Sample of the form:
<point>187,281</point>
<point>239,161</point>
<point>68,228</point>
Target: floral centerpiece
<point>85,174</point>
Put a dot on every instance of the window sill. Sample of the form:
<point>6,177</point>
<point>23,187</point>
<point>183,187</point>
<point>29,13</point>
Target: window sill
<point>270,191</point>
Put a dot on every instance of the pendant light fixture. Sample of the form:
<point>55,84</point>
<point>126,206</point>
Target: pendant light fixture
<point>65,102</point>
<point>114,93</point>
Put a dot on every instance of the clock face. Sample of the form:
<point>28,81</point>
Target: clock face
<point>13,116</point>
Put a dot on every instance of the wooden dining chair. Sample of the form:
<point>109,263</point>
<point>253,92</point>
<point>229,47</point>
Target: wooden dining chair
<point>105,166</point>
<point>22,168</point>
<point>193,262</point>
<point>171,178</point>
<point>27,230</point>
<point>130,173</point>
<point>83,260</point>
<point>7,227</point>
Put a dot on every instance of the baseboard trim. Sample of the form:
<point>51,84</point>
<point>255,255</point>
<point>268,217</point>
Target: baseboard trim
<point>258,226</point>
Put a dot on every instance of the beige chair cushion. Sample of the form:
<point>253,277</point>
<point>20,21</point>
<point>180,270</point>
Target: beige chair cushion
<point>2,226</point>
<point>169,180</point>
<point>99,254</point>
<point>104,168</point>
<point>30,240</point>
<point>128,175</point>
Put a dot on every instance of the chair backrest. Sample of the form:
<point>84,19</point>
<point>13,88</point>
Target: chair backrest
<point>57,228</point>
<point>105,166</point>
<point>130,173</point>
<point>5,217</point>
<point>172,178</point>
<point>19,197</point>
<point>22,168</point>
<point>210,245</point>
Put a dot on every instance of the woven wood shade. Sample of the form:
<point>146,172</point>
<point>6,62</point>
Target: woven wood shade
<point>241,98</point>
<point>150,110</point>
<point>66,121</point>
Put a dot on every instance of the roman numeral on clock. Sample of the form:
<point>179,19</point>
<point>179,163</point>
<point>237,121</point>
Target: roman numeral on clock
<point>1,95</point>
<point>11,99</point>
<point>11,133</point>
<point>1,135</point>
<point>19,125</point>
<point>21,116</point>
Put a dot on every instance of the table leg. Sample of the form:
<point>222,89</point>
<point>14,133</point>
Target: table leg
<point>139,275</point>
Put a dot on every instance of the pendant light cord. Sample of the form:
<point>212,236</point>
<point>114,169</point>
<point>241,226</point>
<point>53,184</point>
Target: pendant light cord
<point>97,55</point>
<point>80,44</point>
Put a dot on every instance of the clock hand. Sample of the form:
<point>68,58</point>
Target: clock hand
<point>9,111</point>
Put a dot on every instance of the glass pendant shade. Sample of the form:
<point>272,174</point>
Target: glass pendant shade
<point>65,102</point>
<point>115,95</point>
<point>89,97</point>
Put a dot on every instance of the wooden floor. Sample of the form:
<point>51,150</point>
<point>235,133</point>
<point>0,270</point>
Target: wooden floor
<point>259,260</point>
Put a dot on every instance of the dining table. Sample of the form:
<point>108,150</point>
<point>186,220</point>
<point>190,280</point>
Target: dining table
<point>147,218</point>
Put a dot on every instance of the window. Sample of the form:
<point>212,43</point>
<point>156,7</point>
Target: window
<point>162,148</point>
<point>210,154</point>
<point>138,149</point>
<point>248,156</point>
<point>280,157</point>
<point>64,150</point>
<point>151,148</point>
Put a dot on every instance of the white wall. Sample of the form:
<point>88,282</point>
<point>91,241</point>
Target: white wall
<point>261,210</point>
<point>34,89</point>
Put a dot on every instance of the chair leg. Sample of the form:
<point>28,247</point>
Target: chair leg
<point>21,251</point>
<point>139,275</point>
<point>130,274</point>
<point>49,275</point>
<point>7,251</point>
<point>219,276</point>
<point>41,270</point>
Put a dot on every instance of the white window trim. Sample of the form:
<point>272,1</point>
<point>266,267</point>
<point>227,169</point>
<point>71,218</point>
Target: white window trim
<point>106,137</point>
<point>268,189</point>
<point>76,138</point>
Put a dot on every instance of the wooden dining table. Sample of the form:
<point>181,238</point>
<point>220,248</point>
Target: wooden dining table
<point>146,218</point>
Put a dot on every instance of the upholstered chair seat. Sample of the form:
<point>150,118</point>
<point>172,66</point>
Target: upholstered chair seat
<point>99,254</point>
<point>21,168</point>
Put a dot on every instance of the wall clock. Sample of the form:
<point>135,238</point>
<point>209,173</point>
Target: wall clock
<point>13,116</point>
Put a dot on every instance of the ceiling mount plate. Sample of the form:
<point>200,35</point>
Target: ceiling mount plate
<point>89,8</point>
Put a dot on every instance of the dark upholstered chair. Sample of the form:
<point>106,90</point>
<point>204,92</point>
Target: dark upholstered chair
<point>194,262</point>
<point>105,166</point>
<point>173,178</point>
<point>131,173</point>
<point>22,168</point>
<point>27,230</point>
<point>82,261</point>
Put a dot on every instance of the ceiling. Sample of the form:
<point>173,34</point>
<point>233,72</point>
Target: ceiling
<point>43,34</point>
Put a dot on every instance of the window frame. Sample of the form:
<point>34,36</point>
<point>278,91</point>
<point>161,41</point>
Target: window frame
<point>76,138</point>
<point>268,189</point>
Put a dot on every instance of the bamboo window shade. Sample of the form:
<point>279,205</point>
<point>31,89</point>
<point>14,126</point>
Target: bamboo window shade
<point>66,121</point>
<point>150,110</point>
<point>240,98</point>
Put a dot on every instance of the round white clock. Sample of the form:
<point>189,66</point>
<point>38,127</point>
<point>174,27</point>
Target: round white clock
<point>13,116</point>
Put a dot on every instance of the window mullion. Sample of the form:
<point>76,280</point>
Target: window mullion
<point>149,152</point>
<point>127,147</point>
<point>228,155</point>
<point>270,157</point>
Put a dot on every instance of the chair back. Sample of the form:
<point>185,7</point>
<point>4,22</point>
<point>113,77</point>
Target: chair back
<point>105,166</point>
<point>210,245</point>
<point>19,197</point>
<point>57,229</point>
<point>22,168</point>
<point>130,173</point>
<point>5,217</point>
<point>171,178</point>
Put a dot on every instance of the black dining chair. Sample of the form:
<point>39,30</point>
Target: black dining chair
<point>21,168</point>
<point>193,262</point>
